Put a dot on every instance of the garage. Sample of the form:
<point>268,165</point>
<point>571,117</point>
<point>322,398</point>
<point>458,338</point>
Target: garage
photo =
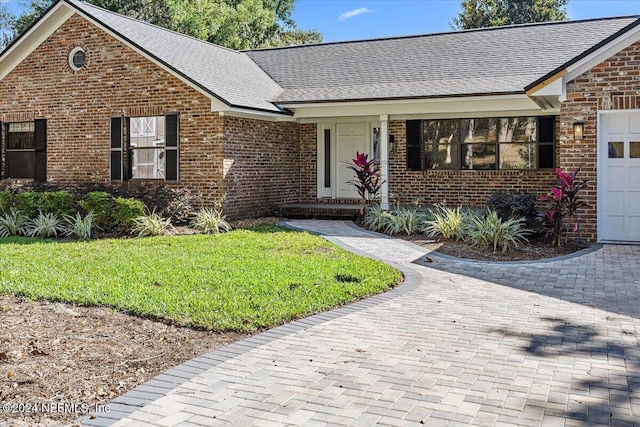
<point>619,176</point>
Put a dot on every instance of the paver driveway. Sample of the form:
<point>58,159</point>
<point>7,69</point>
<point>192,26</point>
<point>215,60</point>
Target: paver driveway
<point>461,343</point>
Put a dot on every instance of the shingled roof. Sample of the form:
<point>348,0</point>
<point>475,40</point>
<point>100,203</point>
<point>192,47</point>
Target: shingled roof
<point>229,75</point>
<point>474,62</point>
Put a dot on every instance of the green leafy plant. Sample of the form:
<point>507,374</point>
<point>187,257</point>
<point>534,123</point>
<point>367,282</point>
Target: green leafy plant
<point>179,208</point>
<point>564,203</point>
<point>149,225</point>
<point>59,203</point>
<point>79,227</point>
<point>211,221</point>
<point>125,211</point>
<point>447,223</point>
<point>99,203</point>
<point>6,201</point>
<point>29,203</point>
<point>491,230</point>
<point>44,225</point>
<point>376,218</point>
<point>406,220</point>
<point>13,223</point>
<point>367,182</point>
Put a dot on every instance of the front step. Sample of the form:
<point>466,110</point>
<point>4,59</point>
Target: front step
<point>320,210</point>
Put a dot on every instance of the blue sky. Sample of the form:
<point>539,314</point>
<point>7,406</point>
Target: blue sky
<point>340,20</point>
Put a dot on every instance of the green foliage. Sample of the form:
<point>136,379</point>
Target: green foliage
<point>234,24</point>
<point>210,221</point>
<point>6,201</point>
<point>490,230</point>
<point>99,204</point>
<point>29,203</point>
<point>125,211</point>
<point>59,203</point>
<point>150,225</point>
<point>79,227</point>
<point>513,205</point>
<point>398,220</point>
<point>13,223</point>
<point>447,223</point>
<point>493,13</point>
<point>245,280</point>
<point>44,225</point>
<point>376,218</point>
<point>178,207</point>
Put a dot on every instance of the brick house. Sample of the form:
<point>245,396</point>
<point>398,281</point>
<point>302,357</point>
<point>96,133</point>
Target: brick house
<point>87,95</point>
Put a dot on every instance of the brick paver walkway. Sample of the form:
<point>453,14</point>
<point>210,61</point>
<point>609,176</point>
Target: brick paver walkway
<point>461,343</point>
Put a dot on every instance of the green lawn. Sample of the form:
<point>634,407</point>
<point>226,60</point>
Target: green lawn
<point>241,281</point>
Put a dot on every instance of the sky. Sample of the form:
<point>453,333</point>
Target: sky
<point>340,20</point>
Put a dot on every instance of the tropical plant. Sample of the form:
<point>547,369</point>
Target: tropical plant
<point>367,181</point>
<point>376,218</point>
<point>564,203</point>
<point>44,225</point>
<point>447,223</point>
<point>210,221</point>
<point>491,230</point>
<point>79,227</point>
<point>149,225</point>
<point>13,223</point>
<point>406,220</point>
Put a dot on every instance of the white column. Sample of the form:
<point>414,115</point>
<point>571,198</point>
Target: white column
<point>384,161</point>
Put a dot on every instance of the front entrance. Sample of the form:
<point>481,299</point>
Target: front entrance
<point>351,138</point>
<point>619,176</point>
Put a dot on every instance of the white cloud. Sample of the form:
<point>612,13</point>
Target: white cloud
<point>354,12</point>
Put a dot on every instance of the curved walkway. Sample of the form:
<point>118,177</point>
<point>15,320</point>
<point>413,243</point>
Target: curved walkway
<point>460,343</point>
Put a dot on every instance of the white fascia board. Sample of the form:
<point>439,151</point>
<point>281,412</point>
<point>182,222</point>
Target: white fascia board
<point>602,54</point>
<point>445,107</point>
<point>34,37</point>
<point>251,114</point>
<point>552,89</point>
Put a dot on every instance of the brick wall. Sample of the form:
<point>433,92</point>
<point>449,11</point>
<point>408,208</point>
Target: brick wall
<point>455,187</point>
<point>308,163</point>
<point>261,164</point>
<point>611,85</point>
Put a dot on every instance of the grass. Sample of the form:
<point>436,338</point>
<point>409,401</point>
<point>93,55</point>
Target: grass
<point>239,281</point>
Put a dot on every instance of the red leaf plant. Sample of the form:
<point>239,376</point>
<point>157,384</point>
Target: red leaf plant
<point>367,182</point>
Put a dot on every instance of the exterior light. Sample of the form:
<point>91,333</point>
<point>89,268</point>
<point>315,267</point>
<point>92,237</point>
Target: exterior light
<point>578,131</point>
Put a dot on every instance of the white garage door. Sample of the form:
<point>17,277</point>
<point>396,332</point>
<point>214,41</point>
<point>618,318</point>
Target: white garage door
<point>619,177</point>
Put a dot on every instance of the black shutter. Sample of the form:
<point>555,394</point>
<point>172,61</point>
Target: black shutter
<point>116,149</point>
<point>40,137</point>
<point>413,145</point>
<point>171,124</point>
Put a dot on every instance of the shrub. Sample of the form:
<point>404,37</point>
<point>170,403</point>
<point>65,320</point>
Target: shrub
<point>513,205</point>
<point>59,203</point>
<point>98,203</point>
<point>125,211</point>
<point>406,220</point>
<point>44,225</point>
<point>150,225</point>
<point>489,231</point>
<point>180,206</point>
<point>29,203</point>
<point>366,182</point>
<point>210,221</point>
<point>446,223</point>
<point>375,218</point>
<point>13,223</point>
<point>77,226</point>
<point>6,201</point>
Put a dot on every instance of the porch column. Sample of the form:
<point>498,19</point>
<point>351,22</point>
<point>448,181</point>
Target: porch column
<point>384,161</point>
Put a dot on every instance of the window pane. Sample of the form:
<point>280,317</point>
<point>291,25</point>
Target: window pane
<point>546,156</point>
<point>413,145</point>
<point>634,150</point>
<point>478,156</point>
<point>517,156</point>
<point>616,150</point>
<point>441,131</point>
<point>148,163</point>
<point>478,130</point>
<point>147,131</point>
<point>440,156</point>
<point>20,136</point>
<point>517,129</point>
<point>21,164</point>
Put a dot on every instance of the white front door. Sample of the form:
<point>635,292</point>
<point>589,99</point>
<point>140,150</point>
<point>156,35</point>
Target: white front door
<point>352,138</point>
<point>619,177</point>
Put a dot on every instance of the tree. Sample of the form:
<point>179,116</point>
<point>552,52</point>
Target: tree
<point>493,13</point>
<point>6,25</point>
<point>236,24</point>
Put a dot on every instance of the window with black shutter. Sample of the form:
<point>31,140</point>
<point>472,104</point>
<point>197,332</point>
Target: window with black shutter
<point>20,153</point>
<point>153,147</point>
